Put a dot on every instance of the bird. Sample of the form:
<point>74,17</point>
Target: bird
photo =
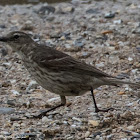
<point>59,72</point>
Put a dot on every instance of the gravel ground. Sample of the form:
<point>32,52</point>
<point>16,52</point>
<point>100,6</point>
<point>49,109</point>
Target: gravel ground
<point>105,34</point>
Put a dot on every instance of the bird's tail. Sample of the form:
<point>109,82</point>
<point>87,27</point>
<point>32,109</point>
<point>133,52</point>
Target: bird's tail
<point>115,81</point>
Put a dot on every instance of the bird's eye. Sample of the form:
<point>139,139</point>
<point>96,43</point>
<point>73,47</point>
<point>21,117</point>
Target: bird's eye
<point>16,36</point>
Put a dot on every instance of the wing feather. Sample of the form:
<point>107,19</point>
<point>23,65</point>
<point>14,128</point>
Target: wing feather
<point>55,60</point>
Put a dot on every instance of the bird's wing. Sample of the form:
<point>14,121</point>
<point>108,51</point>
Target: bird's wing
<point>55,60</point>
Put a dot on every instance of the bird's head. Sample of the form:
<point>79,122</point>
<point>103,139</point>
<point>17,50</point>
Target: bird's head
<point>16,40</point>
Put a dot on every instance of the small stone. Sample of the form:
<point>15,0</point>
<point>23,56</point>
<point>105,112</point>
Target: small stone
<point>26,136</point>
<point>4,110</point>
<point>130,104</point>
<point>136,137</point>
<point>79,43</point>
<point>93,123</point>
<point>87,134</point>
<point>2,137</point>
<point>68,46</point>
<point>128,115</point>
<point>73,126</point>
<point>5,133</point>
<point>15,92</point>
<point>100,65</point>
<point>124,139</point>
<point>76,119</point>
<point>27,27</point>
<point>136,31</point>
<point>11,102</point>
<point>117,21</point>
<point>121,93</point>
<point>109,15</point>
<point>138,49</point>
<point>135,134</point>
<point>3,26</point>
<point>62,38</point>
<point>98,137</point>
<point>45,119</point>
<point>53,99</point>
<point>130,59</point>
<point>4,51</point>
<point>109,137</point>
<point>131,127</point>
<point>70,138</point>
<point>134,71</point>
<point>107,32</point>
<point>6,84</point>
<point>16,125</point>
<point>46,10</point>
<point>23,125</point>
<point>92,11</point>
<point>51,132</point>
<point>32,85</point>
<point>68,10</point>
<point>15,119</point>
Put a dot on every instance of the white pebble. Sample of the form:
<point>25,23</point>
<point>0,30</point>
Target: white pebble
<point>73,126</point>
<point>130,59</point>
<point>15,92</point>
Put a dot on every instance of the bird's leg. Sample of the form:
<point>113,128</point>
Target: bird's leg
<point>96,108</point>
<point>43,113</point>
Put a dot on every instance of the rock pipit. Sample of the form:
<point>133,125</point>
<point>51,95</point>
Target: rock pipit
<point>58,72</point>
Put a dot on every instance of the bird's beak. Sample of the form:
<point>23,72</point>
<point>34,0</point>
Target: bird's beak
<point>3,39</point>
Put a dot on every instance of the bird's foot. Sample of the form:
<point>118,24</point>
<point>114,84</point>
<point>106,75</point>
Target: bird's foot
<point>103,110</point>
<point>43,113</point>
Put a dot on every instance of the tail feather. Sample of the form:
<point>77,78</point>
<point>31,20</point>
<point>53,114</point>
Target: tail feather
<point>115,81</point>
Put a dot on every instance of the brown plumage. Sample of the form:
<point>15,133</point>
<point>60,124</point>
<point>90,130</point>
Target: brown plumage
<point>57,71</point>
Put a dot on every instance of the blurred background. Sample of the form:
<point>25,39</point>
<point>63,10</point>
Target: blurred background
<point>9,2</point>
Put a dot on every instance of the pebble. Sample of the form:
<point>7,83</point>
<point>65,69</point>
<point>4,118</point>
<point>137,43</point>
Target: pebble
<point>6,110</point>
<point>87,134</point>
<point>109,15</point>
<point>15,119</point>
<point>11,102</point>
<point>4,51</point>
<point>27,27</point>
<point>110,137</point>
<point>130,104</point>
<point>117,21</point>
<point>70,138</point>
<point>2,137</point>
<point>131,127</point>
<point>121,93</point>
<point>5,133</point>
<point>93,123</point>
<point>78,43</point>
<point>53,99</point>
<point>15,125</point>
<point>32,85</point>
<point>68,9</point>
<point>26,136</point>
<point>136,137</point>
<point>15,92</point>
<point>45,120</point>
<point>76,119</point>
<point>73,126</point>
<point>92,11</point>
<point>130,59</point>
<point>97,137</point>
<point>46,10</point>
